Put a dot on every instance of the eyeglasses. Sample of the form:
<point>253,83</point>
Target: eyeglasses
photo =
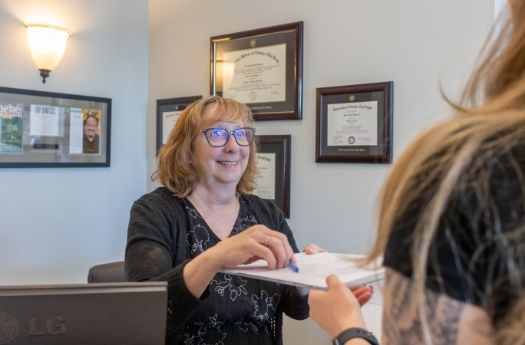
<point>218,137</point>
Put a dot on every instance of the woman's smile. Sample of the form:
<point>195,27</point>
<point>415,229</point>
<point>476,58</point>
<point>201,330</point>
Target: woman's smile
<point>229,164</point>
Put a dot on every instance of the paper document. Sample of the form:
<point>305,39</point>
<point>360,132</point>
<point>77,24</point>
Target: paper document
<point>313,270</point>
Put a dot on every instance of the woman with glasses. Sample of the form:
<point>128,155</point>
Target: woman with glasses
<point>204,220</point>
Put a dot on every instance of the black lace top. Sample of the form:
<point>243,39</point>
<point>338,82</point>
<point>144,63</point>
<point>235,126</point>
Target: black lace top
<point>166,232</point>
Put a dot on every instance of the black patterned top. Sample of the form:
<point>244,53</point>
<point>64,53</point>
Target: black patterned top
<point>477,252</point>
<point>165,232</point>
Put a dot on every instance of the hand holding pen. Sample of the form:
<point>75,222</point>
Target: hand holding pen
<point>293,267</point>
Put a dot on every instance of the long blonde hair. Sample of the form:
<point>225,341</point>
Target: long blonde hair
<point>176,169</point>
<point>489,123</point>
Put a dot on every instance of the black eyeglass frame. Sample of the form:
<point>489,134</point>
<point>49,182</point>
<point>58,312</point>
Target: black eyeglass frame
<point>205,131</point>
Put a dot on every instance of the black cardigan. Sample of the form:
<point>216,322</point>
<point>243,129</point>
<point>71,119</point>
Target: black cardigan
<point>156,250</point>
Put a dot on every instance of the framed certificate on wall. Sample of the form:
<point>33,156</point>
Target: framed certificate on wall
<point>273,162</point>
<point>354,123</point>
<point>168,112</point>
<point>262,68</point>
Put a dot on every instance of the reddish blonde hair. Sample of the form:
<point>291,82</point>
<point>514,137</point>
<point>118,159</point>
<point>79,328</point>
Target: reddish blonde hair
<point>176,169</point>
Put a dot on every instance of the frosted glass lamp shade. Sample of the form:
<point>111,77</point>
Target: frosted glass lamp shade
<point>47,44</point>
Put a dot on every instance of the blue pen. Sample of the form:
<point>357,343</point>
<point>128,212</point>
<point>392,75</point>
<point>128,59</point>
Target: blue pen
<point>293,267</point>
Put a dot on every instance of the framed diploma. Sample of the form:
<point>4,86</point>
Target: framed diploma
<point>354,123</point>
<point>262,68</point>
<point>168,112</point>
<point>273,161</point>
<point>53,130</point>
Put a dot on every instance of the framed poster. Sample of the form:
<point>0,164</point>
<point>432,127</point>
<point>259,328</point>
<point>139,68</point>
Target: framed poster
<point>168,112</point>
<point>262,68</point>
<point>273,161</point>
<point>53,130</point>
<point>354,123</point>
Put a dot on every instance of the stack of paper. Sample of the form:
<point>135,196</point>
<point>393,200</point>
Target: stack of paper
<point>313,270</point>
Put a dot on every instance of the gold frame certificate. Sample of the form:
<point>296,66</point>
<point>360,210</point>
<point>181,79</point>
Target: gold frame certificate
<point>168,112</point>
<point>255,75</point>
<point>351,124</point>
<point>354,123</point>
<point>169,120</point>
<point>273,161</point>
<point>266,177</point>
<point>262,68</point>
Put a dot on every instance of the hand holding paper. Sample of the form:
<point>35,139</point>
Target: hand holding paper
<point>336,309</point>
<point>313,271</point>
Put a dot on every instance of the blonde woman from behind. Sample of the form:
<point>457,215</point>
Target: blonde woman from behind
<point>452,218</point>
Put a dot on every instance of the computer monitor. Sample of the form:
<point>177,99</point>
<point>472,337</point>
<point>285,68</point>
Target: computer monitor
<point>112,313</point>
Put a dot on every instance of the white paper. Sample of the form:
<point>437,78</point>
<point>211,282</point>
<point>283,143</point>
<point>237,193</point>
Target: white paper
<point>169,119</point>
<point>352,124</point>
<point>266,177</point>
<point>76,130</point>
<point>313,270</point>
<point>43,121</point>
<point>255,75</point>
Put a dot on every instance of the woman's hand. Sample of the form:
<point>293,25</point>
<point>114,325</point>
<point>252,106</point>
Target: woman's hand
<point>337,309</point>
<point>313,249</point>
<point>363,293</point>
<point>257,242</point>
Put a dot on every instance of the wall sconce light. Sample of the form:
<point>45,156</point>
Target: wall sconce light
<point>47,44</point>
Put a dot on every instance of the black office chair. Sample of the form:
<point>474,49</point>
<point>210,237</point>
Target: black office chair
<point>112,272</point>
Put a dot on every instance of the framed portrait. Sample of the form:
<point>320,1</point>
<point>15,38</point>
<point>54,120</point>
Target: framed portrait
<point>273,161</point>
<point>53,130</point>
<point>354,123</point>
<point>262,68</point>
<point>168,112</point>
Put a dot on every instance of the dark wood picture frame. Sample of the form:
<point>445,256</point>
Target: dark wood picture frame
<point>280,145</point>
<point>170,105</point>
<point>41,129</point>
<point>352,148</point>
<point>291,35</point>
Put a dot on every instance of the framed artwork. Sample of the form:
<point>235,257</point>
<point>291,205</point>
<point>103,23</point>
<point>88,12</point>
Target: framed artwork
<point>262,68</point>
<point>273,160</point>
<point>354,123</point>
<point>53,130</point>
<point>168,112</point>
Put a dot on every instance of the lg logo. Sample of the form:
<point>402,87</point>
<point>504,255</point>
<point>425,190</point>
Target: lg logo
<point>55,325</point>
<point>8,327</point>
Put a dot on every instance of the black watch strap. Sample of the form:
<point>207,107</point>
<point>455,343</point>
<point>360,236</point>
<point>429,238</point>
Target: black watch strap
<point>352,333</point>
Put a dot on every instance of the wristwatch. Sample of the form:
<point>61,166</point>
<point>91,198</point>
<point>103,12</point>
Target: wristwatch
<point>352,333</point>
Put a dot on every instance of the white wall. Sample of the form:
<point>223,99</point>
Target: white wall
<point>414,43</point>
<point>56,223</point>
